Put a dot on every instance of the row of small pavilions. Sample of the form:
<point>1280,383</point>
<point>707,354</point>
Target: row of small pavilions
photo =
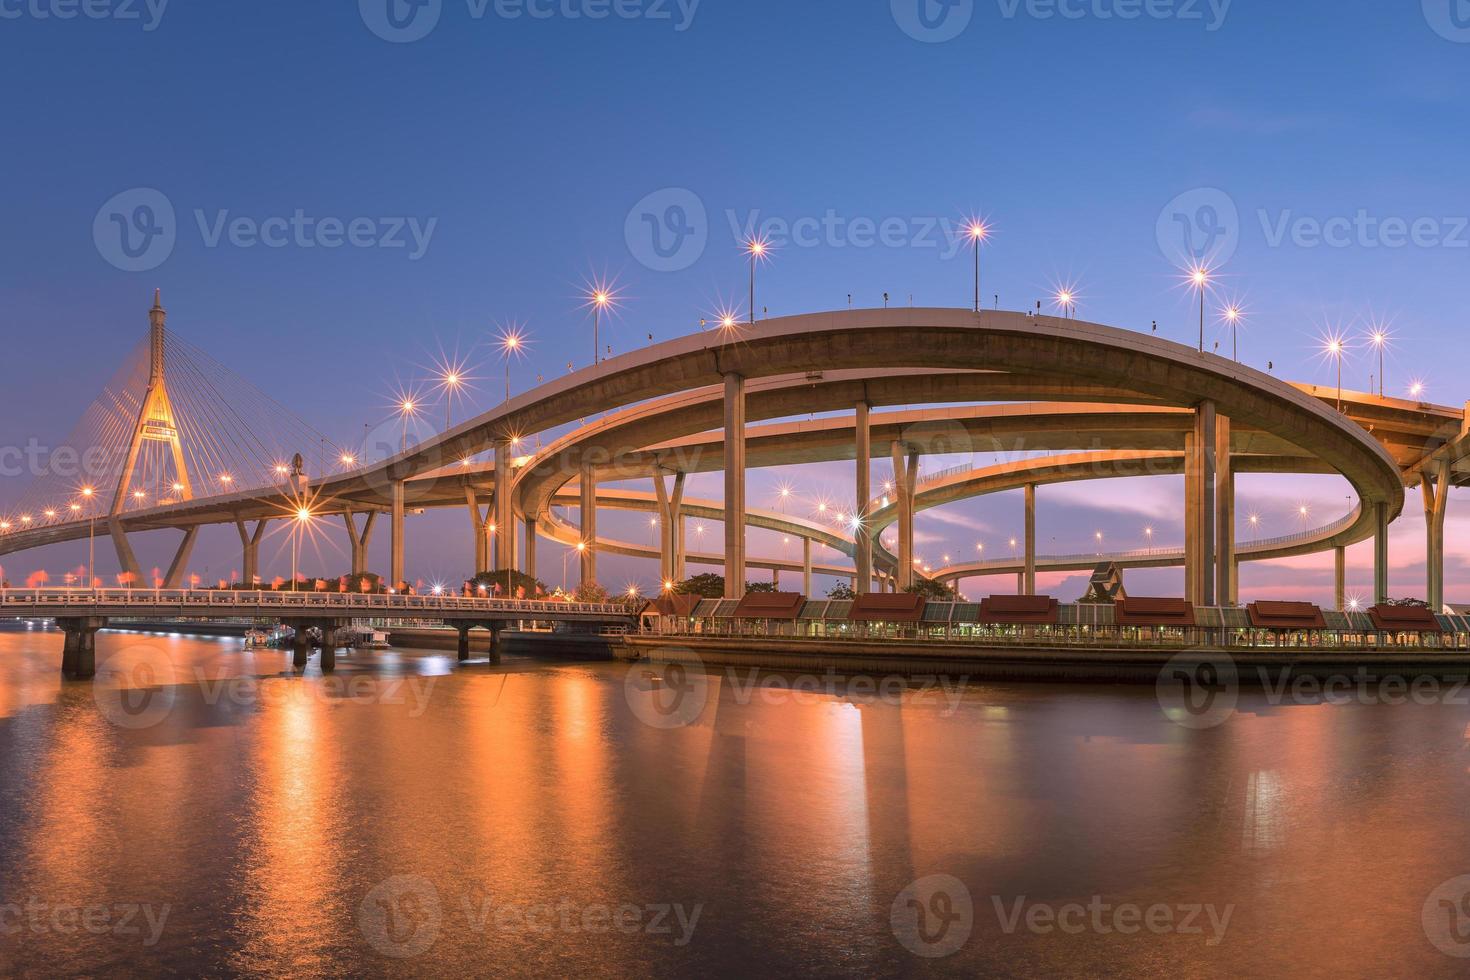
<point>907,615</point>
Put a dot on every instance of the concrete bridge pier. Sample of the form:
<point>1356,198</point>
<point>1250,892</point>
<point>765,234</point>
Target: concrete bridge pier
<point>250,549</point>
<point>905,486</point>
<point>465,628</point>
<point>735,485</point>
<point>175,577</point>
<point>862,533</point>
<point>395,522</point>
<point>671,526</point>
<point>301,646</point>
<point>1225,565</point>
<point>1435,487</point>
<point>479,530</point>
<point>1380,553</point>
<point>359,540</point>
<point>587,509</point>
<point>1339,555</point>
<point>530,566</point>
<point>1028,581</point>
<point>330,628</point>
<point>503,508</point>
<point>79,647</point>
<point>806,567</point>
<point>1200,511</point>
<point>126,559</point>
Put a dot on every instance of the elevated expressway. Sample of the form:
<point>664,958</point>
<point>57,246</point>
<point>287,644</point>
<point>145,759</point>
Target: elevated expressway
<point>686,406</point>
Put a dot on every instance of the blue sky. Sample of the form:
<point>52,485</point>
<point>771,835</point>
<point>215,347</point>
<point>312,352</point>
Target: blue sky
<point>524,149</point>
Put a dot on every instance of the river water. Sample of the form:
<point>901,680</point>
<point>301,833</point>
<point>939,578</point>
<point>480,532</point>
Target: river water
<point>201,810</point>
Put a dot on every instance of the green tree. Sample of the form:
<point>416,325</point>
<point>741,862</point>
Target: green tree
<point>842,591</point>
<point>509,583</point>
<point>932,590</point>
<point>708,585</point>
<point>591,592</point>
<point>759,587</point>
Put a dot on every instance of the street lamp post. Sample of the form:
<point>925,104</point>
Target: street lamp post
<point>1232,316</point>
<point>1200,276</point>
<point>978,234</point>
<point>303,515</point>
<point>1380,340</point>
<point>600,300</point>
<point>757,248</point>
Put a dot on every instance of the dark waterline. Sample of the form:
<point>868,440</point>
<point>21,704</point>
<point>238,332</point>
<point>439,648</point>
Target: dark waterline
<point>248,821</point>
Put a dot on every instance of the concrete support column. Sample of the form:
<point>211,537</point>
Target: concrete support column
<point>1200,514</point>
<point>301,645</point>
<point>671,527</point>
<point>395,548</point>
<point>126,560</point>
<point>776,578</point>
<point>905,476</point>
<point>505,529</point>
<point>734,486</point>
<point>587,488</point>
<point>862,532</point>
<point>1339,591</point>
<point>329,630</point>
<point>250,548</point>
<point>806,567</point>
<point>360,540</point>
<point>479,530</point>
<point>1224,515</point>
<point>175,577</point>
<point>464,642</point>
<point>1435,485</point>
<point>1028,578</point>
<point>1380,553</point>
<point>530,567</point>
<point>79,646</point>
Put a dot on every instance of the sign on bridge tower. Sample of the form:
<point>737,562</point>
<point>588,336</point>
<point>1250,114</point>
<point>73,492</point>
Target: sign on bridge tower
<point>156,421</point>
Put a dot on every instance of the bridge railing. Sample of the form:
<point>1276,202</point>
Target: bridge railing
<point>203,601</point>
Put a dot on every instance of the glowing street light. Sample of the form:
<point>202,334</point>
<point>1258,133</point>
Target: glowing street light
<point>89,494</point>
<point>513,344</point>
<point>349,460</point>
<point>1067,301</point>
<point>600,296</point>
<point>1199,278</point>
<point>1379,338</point>
<point>1335,347</point>
<point>757,248</point>
<point>1416,389</point>
<point>977,232</point>
<point>299,522</point>
<point>1232,315</point>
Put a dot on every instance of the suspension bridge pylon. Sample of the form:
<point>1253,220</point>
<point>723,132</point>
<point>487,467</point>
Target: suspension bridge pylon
<point>155,422</point>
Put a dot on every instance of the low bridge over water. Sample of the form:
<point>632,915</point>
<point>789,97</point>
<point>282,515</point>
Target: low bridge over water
<point>80,613</point>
